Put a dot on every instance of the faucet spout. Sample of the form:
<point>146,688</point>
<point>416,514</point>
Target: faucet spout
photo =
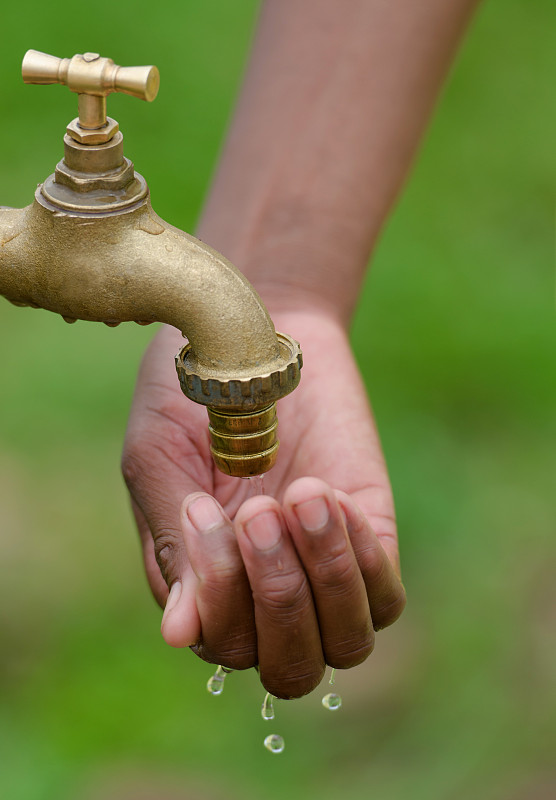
<point>135,267</point>
<point>130,265</point>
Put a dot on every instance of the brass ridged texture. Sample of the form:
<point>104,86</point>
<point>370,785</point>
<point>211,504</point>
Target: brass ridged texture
<point>242,393</point>
<point>244,445</point>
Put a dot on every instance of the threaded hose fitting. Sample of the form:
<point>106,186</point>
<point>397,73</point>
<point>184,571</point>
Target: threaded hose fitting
<point>244,445</point>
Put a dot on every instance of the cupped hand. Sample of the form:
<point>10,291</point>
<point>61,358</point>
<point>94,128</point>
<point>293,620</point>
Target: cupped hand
<point>290,581</point>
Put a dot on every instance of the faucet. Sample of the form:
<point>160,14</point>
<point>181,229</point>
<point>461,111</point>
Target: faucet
<point>91,247</point>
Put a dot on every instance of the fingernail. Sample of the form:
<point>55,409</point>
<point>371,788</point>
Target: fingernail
<point>312,514</point>
<point>173,597</point>
<point>205,514</point>
<point>264,530</point>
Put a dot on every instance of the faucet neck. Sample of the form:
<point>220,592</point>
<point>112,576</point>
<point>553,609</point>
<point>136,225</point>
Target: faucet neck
<point>94,177</point>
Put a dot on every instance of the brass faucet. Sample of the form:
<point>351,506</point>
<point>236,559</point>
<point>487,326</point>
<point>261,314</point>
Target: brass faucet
<point>91,247</point>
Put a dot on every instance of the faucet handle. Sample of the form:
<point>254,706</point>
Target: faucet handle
<point>92,78</point>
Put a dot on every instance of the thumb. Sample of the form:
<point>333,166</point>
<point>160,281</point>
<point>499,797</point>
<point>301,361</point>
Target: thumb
<point>156,497</point>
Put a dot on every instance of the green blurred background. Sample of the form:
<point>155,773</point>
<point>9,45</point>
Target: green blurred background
<point>455,336</point>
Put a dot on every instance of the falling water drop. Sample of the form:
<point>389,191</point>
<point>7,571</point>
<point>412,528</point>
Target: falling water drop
<point>267,709</point>
<point>215,684</point>
<point>257,484</point>
<point>332,676</point>
<point>274,743</point>
<point>332,701</point>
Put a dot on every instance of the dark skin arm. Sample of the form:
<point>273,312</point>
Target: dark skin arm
<point>334,103</point>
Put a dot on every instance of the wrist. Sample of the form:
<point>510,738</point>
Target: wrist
<point>305,321</point>
<point>283,298</point>
<point>290,275</point>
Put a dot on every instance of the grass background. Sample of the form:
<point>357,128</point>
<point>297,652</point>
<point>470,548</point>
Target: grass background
<point>455,337</point>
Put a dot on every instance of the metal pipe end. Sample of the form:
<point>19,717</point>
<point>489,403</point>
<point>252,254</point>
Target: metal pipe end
<point>244,445</point>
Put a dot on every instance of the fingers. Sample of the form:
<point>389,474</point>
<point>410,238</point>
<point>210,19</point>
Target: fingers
<point>319,534</point>
<point>385,591</point>
<point>291,661</point>
<point>223,595</point>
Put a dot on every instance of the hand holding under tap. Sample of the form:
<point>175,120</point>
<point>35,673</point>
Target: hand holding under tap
<point>325,131</point>
<point>290,581</point>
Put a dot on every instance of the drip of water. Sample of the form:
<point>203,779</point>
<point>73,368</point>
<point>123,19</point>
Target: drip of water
<point>267,709</point>
<point>257,484</point>
<point>215,684</point>
<point>332,680</point>
<point>332,701</point>
<point>274,743</point>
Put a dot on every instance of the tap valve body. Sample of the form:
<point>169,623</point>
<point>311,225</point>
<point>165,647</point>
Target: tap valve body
<point>94,176</point>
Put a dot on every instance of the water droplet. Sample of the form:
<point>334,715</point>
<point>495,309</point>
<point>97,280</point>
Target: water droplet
<point>150,225</point>
<point>332,701</point>
<point>257,484</point>
<point>274,743</point>
<point>215,684</point>
<point>332,676</point>
<point>267,709</point>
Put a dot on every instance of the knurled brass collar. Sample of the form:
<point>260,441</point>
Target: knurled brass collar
<point>243,394</point>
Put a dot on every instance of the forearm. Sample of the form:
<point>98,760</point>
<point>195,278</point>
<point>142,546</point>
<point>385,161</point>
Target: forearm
<point>333,106</point>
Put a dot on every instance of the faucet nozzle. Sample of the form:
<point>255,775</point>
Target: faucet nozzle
<point>244,445</point>
<point>242,410</point>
